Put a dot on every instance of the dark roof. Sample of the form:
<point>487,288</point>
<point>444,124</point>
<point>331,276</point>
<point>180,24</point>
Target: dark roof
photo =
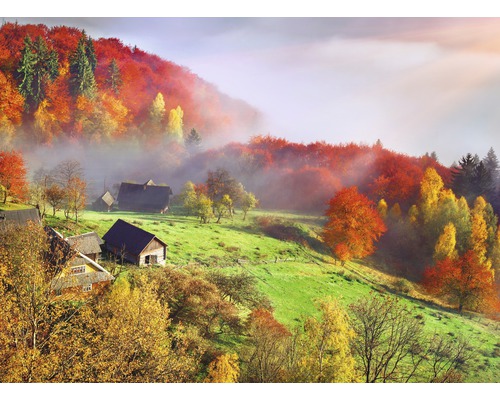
<point>21,217</point>
<point>145,196</point>
<point>133,239</point>
<point>88,243</point>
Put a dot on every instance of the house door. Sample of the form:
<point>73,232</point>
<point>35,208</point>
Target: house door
<point>151,259</point>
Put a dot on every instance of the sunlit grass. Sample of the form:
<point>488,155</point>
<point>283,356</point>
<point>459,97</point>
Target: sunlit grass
<point>293,276</point>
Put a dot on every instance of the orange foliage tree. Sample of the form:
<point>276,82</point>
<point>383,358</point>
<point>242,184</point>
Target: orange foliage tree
<point>353,226</point>
<point>464,281</point>
<point>266,360</point>
<point>11,105</point>
<point>12,175</point>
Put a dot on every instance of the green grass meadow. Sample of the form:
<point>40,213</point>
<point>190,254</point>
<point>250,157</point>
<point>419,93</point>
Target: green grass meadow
<point>293,276</point>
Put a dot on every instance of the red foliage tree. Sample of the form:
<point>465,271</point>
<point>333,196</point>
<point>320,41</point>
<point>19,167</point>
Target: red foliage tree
<point>396,178</point>
<point>353,226</point>
<point>464,281</point>
<point>13,175</point>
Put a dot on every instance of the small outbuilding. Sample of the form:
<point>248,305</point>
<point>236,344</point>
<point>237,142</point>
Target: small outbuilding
<point>104,202</point>
<point>133,244</point>
<point>89,244</point>
<point>146,197</point>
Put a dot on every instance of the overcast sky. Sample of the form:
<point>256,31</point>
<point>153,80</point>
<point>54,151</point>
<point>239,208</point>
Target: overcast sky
<point>417,84</point>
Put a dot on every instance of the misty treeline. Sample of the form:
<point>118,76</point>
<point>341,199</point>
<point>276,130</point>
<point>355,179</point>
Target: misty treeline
<point>165,325</point>
<point>59,83</point>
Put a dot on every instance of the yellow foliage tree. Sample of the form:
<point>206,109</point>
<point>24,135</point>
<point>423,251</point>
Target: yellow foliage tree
<point>324,350</point>
<point>175,124</point>
<point>157,113</point>
<point>382,208</point>
<point>45,123</point>
<point>463,225</point>
<point>479,238</point>
<point>430,189</point>
<point>481,206</point>
<point>413,214</point>
<point>32,322</point>
<point>134,342</point>
<point>495,256</point>
<point>445,246</point>
<point>118,114</point>
<point>224,369</point>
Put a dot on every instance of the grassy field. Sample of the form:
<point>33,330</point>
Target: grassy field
<point>292,275</point>
<point>13,206</point>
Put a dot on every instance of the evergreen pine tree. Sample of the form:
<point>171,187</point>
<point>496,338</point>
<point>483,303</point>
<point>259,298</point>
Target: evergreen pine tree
<point>193,138</point>
<point>491,163</point>
<point>46,68</point>
<point>90,53</point>
<point>114,77</point>
<point>26,72</point>
<point>41,55</point>
<point>464,177</point>
<point>37,66</point>
<point>483,181</point>
<point>53,65</point>
<point>82,79</point>
<point>493,166</point>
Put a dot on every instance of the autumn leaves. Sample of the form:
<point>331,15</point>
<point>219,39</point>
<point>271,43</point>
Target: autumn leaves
<point>461,246</point>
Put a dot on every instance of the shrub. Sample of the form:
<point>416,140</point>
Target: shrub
<point>403,286</point>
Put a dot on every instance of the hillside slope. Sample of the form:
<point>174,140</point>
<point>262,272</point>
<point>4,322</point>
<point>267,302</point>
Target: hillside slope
<point>295,274</point>
<point>127,81</point>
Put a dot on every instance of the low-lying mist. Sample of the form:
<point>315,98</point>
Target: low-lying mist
<point>282,175</point>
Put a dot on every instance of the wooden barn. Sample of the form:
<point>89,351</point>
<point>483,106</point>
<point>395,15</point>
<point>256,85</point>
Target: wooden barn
<point>21,217</point>
<point>146,197</point>
<point>104,202</point>
<point>135,245</point>
<point>89,244</point>
<point>79,275</point>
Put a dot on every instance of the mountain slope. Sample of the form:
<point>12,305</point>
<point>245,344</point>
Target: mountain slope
<point>121,106</point>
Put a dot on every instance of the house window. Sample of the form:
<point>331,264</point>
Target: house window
<point>78,270</point>
<point>87,288</point>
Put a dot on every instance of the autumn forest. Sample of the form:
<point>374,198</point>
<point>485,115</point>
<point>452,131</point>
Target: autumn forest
<point>391,240</point>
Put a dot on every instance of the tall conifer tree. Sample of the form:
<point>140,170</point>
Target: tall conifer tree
<point>114,77</point>
<point>82,80</point>
<point>90,53</point>
<point>37,66</point>
<point>26,72</point>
